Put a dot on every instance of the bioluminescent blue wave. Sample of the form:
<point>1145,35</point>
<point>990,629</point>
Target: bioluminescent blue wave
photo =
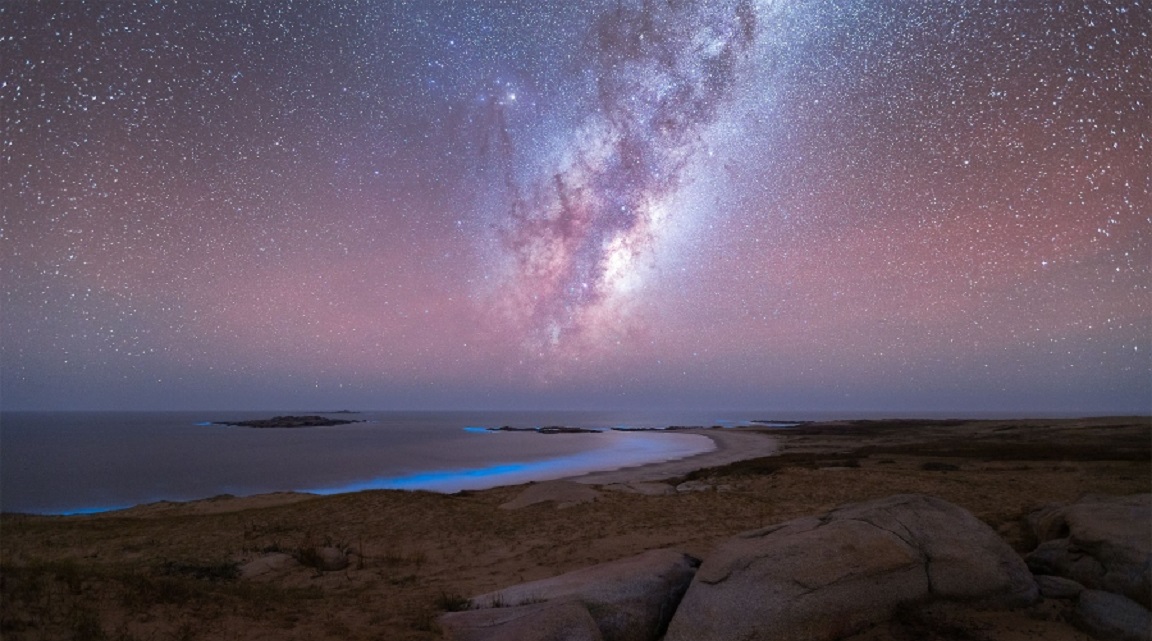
<point>624,450</point>
<point>90,510</point>
<point>437,480</point>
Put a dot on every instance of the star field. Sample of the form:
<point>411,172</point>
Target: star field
<point>765,204</point>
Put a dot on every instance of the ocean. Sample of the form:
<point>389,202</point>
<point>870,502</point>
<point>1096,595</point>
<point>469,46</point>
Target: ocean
<point>83,462</point>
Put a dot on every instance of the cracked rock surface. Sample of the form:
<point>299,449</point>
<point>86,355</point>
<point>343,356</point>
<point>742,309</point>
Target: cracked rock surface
<point>1102,542</point>
<point>826,577</point>
<point>631,599</point>
<point>567,621</point>
<point>1105,615</point>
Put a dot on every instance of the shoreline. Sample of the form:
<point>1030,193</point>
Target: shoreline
<point>57,464</point>
<point>729,445</point>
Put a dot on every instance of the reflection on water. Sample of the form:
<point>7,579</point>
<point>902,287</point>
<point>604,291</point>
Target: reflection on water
<point>81,462</point>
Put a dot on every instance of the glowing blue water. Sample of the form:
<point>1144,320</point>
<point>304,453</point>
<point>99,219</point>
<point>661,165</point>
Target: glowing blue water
<point>612,450</point>
<point>84,462</point>
<point>93,509</point>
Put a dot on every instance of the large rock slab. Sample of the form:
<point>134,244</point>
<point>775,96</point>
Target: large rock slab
<point>1110,616</point>
<point>826,577</point>
<point>631,599</point>
<point>1057,587</point>
<point>1102,542</point>
<point>324,559</point>
<point>566,621</point>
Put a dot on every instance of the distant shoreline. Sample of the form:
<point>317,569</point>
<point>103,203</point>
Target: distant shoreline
<point>729,446</point>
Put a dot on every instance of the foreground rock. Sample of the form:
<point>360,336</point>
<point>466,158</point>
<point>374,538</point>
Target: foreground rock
<point>566,621</point>
<point>1110,616</point>
<point>1102,542</point>
<point>1057,587</point>
<point>631,599</point>
<point>827,577</point>
<point>266,565</point>
<point>329,559</point>
<point>694,486</point>
<point>289,421</point>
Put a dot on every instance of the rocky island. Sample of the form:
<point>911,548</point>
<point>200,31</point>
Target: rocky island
<point>670,428</point>
<point>550,429</point>
<point>289,421</point>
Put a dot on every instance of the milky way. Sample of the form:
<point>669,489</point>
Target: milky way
<point>581,236</point>
<point>776,205</point>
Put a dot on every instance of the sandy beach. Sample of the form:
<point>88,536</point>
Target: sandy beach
<point>731,445</point>
<point>247,568</point>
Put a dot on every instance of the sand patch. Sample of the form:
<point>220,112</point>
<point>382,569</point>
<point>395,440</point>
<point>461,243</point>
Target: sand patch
<point>732,445</point>
<point>563,493</point>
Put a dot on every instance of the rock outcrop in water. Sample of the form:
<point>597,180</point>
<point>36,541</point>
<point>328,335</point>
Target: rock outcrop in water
<point>288,421</point>
<point>550,429</point>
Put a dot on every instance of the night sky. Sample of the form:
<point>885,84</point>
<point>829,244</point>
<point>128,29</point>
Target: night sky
<point>790,205</point>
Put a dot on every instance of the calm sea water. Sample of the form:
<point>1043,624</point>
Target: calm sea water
<point>72,462</point>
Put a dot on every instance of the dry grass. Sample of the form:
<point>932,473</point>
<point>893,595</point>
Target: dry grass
<point>170,574</point>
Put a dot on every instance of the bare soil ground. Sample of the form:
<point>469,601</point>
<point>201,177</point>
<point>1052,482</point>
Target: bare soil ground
<point>170,571</point>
